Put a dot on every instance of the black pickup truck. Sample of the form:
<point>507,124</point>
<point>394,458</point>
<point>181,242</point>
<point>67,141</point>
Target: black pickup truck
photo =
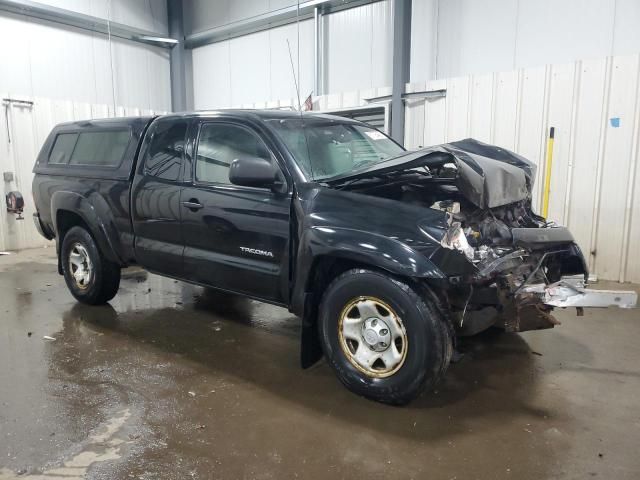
<point>386,255</point>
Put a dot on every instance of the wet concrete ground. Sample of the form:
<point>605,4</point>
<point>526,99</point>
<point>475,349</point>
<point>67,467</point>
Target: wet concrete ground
<point>170,381</point>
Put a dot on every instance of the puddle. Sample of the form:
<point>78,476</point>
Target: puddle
<point>102,445</point>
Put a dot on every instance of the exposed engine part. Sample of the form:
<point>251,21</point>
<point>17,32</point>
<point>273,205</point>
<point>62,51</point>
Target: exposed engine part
<point>495,260</point>
<point>455,239</point>
<point>448,206</point>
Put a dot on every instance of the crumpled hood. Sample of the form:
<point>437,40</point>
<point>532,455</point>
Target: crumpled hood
<point>488,176</point>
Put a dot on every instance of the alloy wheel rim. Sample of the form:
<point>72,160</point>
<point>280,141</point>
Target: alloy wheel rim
<point>80,266</point>
<point>372,337</point>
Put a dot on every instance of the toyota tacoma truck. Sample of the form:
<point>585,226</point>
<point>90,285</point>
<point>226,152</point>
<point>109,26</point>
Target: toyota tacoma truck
<point>386,255</point>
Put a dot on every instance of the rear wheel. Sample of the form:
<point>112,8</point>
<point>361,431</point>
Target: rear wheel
<point>384,340</point>
<point>90,277</point>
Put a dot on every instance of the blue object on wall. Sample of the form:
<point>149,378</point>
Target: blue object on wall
<point>615,122</point>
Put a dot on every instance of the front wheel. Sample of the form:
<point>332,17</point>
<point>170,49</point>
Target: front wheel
<point>384,340</point>
<point>90,277</point>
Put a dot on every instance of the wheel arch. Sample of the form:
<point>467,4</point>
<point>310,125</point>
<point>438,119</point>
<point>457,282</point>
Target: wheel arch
<point>70,209</point>
<point>323,270</point>
<point>321,245</point>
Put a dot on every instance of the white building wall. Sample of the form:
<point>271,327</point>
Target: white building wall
<point>253,68</point>
<point>59,62</point>
<point>205,14</point>
<point>449,38</point>
<point>145,14</point>
<point>358,47</point>
<point>256,67</point>
<point>424,37</point>
<point>495,35</point>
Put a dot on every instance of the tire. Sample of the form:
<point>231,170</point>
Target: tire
<point>425,343</point>
<point>101,278</point>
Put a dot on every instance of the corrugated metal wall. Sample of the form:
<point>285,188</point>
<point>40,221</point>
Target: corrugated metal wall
<point>358,47</point>
<point>145,14</point>
<point>253,68</point>
<point>473,37</point>
<point>594,107</point>
<point>205,14</point>
<point>20,141</point>
<point>256,67</point>
<point>42,59</point>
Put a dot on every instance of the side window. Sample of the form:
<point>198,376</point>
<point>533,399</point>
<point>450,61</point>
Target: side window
<point>219,145</point>
<point>164,155</point>
<point>101,149</point>
<point>62,148</point>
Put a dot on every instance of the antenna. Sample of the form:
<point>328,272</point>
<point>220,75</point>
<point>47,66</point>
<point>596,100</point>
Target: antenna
<point>113,79</point>
<point>295,81</point>
<point>293,71</point>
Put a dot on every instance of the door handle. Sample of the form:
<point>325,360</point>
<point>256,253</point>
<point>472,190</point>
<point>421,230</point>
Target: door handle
<point>193,204</point>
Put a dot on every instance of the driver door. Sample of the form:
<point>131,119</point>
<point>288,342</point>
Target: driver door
<point>236,238</point>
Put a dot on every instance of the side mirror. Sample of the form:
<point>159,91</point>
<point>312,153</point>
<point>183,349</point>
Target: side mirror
<point>252,172</point>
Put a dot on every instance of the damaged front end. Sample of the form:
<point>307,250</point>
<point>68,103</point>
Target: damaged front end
<point>505,265</point>
<point>512,249</point>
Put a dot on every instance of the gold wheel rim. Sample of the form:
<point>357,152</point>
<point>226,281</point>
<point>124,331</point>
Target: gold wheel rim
<point>372,337</point>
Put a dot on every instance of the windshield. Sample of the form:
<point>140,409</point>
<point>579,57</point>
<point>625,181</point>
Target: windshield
<point>326,148</point>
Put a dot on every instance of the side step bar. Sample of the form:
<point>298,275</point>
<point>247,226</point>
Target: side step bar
<point>570,292</point>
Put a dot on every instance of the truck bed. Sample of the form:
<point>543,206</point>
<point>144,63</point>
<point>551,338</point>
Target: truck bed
<point>63,171</point>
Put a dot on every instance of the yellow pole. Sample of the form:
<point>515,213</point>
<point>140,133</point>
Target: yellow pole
<point>547,174</point>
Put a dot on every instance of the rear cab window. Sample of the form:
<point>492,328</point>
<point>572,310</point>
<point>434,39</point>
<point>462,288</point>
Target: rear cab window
<point>164,155</point>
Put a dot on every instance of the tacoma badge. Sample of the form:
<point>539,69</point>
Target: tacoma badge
<point>255,251</point>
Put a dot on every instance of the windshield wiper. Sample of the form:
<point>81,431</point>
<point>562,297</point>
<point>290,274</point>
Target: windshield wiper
<point>362,163</point>
<point>377,176</point>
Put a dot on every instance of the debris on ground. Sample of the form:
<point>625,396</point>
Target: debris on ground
<point>193,394</point>
<point>29,334</point>
<point>533,352</point>
<point>47,337</point>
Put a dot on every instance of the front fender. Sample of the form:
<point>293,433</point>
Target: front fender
<point>367,248</point>
<point>97,215</point>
